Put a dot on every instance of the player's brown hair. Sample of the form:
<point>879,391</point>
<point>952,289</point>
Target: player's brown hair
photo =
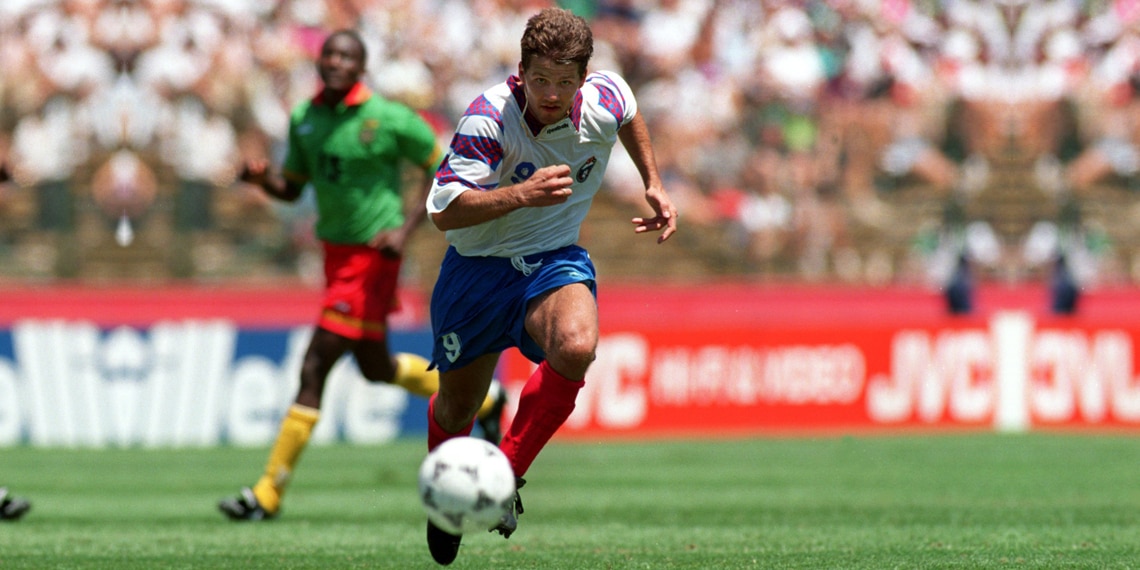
<point>559,35</point>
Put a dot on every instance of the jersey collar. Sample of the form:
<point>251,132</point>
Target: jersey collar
<point>519,94</point>
<point>356,96</point>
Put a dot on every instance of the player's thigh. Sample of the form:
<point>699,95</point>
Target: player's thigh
<point>325,348</point>
<point>564,320</point>
<point>374,360</point>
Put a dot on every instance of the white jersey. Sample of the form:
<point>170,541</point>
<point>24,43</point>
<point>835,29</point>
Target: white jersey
<point>493,147</point>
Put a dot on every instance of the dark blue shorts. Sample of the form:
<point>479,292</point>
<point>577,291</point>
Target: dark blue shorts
<point>479,303</point>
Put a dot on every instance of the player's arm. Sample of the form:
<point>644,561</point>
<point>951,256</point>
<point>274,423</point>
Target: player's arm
<point>469,189</point>
<point>5,147</point>
<point>548,186</point>
<point>5,174</point>
<point>634,136</point>
<point>258,173</point>
<point>415,211</point>
<point>418,144</point>
<point>393,241</point>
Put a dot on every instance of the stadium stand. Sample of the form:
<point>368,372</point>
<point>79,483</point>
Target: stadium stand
<point>803,140</point>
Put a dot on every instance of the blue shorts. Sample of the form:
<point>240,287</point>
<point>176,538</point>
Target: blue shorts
<point>479,303</point>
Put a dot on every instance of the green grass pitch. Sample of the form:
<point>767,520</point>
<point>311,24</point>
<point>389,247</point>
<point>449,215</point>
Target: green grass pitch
<point>922,501</point>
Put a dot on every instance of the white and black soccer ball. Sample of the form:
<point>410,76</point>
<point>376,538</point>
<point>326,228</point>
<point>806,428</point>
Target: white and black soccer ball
<point>466,484</point>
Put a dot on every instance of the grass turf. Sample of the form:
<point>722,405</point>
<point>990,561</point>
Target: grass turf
<point>954,501</point>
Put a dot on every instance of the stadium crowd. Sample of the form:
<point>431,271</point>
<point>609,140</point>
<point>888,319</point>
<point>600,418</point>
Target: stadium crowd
<point>789,122</point>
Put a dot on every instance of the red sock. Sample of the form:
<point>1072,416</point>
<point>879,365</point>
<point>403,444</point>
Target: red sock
<point>436,435</point>
<point>546,401</point>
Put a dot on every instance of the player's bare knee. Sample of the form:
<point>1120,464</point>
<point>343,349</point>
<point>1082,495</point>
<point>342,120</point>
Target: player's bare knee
<point>378,374</point>
<point>454,414</point>
<point>572,358</point>
<point>579,341</point>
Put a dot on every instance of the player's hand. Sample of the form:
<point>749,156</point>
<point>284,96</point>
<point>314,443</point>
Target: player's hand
<point>666,215</point>
<point>390,243</point>
<point>255,171</point>
<point>548,186</point>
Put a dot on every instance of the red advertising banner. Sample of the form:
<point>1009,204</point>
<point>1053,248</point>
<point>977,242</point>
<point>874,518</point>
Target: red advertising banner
<point>799,362</point>
<point>254,306</point>
<point>765,379</point>
<point>691,361</point>
<point>1083,375</point>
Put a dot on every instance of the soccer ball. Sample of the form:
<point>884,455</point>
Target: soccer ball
<point>466,484</point>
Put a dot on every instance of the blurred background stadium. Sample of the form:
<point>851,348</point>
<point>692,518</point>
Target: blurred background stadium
<point>864,142</point>
<point>851,174</point>
<point>887,206</point>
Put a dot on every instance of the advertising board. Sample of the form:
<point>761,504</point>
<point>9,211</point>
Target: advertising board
<point>169,368</point>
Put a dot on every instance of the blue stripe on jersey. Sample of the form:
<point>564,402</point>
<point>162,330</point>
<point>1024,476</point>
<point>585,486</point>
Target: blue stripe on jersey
<point>446,175</point>
<point>609,96</point>
<point>576,110</point>
<point>487,150</point>
<point>481,107</point>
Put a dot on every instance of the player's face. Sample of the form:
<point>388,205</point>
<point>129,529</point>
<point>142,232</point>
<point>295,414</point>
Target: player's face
<point>550,88</point>
<point>341,63</point>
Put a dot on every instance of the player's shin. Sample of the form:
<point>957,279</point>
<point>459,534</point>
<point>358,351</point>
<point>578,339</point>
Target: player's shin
<point>546,402</point>
<point>291,441</point>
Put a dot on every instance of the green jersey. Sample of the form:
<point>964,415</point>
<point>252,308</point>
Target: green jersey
<point>351,155</point>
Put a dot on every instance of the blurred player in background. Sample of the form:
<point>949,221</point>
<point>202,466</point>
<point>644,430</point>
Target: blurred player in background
<point>525,163</point>
<point>348,144</point>
<point>12,508</point>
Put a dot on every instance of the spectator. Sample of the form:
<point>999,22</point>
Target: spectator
<point>954,251</point>
<point>1071,252</point>
<point>857,98</point>
<point>59,68</point>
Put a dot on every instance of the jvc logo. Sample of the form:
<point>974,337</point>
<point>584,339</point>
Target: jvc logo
<point>1013,374</point>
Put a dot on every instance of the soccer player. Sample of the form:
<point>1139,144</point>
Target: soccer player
<point>526,160</point>
<point>348,144</point>
<point>12,508</point>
